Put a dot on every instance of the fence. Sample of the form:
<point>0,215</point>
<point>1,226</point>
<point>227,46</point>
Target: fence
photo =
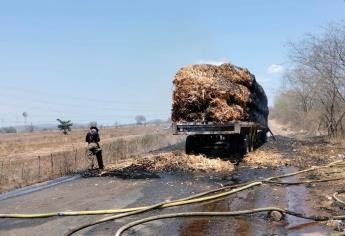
<point>22,172</point>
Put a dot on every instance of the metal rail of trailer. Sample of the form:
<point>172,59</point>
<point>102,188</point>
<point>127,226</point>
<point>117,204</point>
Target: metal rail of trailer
<point>240,135</point>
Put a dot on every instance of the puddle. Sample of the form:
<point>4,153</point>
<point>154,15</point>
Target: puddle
<point>298,198</point>
<point>293,197</point>
<point>246,225</point>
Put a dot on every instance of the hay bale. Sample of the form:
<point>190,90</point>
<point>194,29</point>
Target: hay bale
<point>209,93</point>
<point>221,111</point>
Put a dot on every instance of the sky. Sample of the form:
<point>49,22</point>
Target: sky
<point>108,61</point>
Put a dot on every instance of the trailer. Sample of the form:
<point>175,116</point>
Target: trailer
<point>235,136</point>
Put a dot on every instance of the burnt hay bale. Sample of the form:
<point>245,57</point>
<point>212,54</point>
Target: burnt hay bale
<point>210,93</point>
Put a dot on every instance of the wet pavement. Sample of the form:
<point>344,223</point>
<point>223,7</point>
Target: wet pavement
<point>112,192</point>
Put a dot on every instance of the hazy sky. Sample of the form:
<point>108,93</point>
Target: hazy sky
<point>110,60</point>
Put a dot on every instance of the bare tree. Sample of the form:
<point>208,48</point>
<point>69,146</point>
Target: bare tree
<point>140,119</point>
<point>299,81</point>
<point>318,77</point>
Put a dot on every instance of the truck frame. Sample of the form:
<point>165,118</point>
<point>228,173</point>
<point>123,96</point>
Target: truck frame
<point>237,136</point>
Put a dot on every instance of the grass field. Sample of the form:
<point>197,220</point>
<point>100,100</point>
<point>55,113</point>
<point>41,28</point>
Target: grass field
<point>34,157</point>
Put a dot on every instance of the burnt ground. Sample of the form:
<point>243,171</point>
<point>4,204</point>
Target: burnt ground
<point>291,151</point>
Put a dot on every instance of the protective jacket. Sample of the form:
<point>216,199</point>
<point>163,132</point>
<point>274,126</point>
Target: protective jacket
<point>92,136</point>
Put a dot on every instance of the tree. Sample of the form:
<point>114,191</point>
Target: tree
<point>140,119</point>
<point>317,80</point>
<point>25,115</point>
<point>64,126</point>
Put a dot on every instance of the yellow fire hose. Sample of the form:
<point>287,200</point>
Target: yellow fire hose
<point>223,214</point>
<point>178,202</point>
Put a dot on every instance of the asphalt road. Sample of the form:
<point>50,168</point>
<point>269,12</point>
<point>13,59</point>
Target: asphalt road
<point>112,192</point>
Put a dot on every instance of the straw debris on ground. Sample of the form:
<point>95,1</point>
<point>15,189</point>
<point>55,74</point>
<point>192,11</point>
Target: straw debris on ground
<point>181,162</point>
<point>301,153</point>
<point>170,162</point>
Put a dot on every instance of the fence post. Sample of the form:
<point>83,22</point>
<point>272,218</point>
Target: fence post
<point>23,177</point>
<point>52,164</point>
<point>75,160</point>
<point>1,172</point>
<point>39,167</point>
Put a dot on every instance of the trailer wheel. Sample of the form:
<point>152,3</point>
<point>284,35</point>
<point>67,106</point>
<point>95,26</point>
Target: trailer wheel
<point>190,140</point>
<point>262,138</point>
<point>237,145</point>
<point>197,144</point>
<point>247,142</point>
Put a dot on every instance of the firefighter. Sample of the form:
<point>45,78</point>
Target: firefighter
<point>92,138</point>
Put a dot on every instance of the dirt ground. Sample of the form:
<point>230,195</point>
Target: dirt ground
<point>290,152</point>
<point>26,145</point>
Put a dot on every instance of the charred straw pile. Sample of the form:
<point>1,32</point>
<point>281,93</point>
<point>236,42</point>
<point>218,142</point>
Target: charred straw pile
<point>210,93</point>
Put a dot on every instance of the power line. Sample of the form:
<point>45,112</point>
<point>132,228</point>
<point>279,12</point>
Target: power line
<point>90,109</point>
<point>53,121</point>
<point>78,116</point>
<point>72,97</point>
<point>42,101</point>
<point>79,111</point>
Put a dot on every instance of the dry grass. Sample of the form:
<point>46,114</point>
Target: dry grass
<point>23,169</point>
<point>22,145</point>
<point>298,152</point>
<point>295,148</point>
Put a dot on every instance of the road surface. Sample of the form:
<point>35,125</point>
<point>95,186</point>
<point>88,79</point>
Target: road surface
<point>112,192</point>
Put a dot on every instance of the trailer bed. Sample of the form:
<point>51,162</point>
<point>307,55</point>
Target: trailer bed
<point>235,127</point>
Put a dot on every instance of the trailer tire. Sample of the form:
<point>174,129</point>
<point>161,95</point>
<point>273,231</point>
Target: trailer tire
<point>248,141</point>
<point>262,138</point>
<point>242,145</point>
<point>190,143</point>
